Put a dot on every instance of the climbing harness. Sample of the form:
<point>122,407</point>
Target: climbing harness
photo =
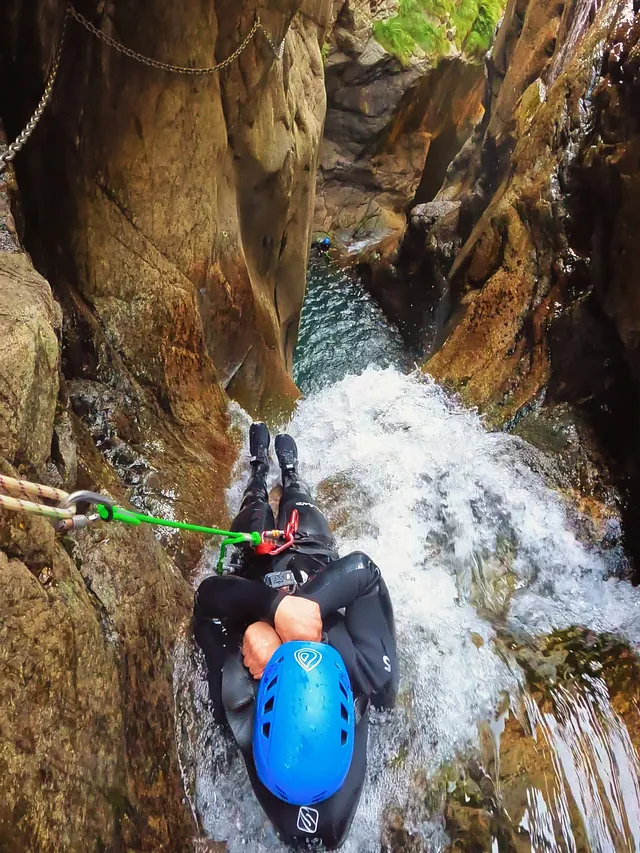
<point>71,12</point>
<point>15,494</point>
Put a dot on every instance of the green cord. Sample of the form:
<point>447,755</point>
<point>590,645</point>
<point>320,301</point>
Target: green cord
<point>116,513</point>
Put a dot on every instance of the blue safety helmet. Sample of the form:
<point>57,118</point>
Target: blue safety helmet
<point>304,725</point>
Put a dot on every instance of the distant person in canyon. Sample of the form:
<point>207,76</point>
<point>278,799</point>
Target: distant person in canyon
<point>305,593</point>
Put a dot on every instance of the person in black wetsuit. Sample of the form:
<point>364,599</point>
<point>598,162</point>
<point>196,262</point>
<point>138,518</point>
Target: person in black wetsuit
<point>240,621</point>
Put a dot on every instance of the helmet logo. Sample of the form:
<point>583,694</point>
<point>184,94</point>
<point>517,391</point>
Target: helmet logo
<point>308,818</point>
<point>308,659</point>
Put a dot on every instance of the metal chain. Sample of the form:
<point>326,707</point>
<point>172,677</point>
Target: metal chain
<point>278,51</point>
<point>166,66</point>
<point>7,156</point>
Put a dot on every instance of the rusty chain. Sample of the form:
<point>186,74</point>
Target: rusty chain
<point>9,154</point>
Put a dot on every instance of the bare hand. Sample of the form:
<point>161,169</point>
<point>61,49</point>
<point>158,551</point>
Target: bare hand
<point>298,619</point>
<point>259,643</point>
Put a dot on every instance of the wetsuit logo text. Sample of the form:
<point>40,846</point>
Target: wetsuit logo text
<point>307,820</point>
<point>308,659</point>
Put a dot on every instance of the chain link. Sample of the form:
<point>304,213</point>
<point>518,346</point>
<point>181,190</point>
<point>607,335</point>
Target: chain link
<point>278,51</point>
<point>7,156</point>
<point>167,66</point>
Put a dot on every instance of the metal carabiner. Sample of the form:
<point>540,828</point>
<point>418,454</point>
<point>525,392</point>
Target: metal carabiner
<point>274,542</point>
<point>79,521</point>
<point>85,496</point>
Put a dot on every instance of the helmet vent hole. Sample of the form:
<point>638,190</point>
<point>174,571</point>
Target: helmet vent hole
<point>272,683</point>
<point>268,705</point>
<point>343,737</point>
<point>266,728</point>
<point>343,712</point>
<point>342,688</point>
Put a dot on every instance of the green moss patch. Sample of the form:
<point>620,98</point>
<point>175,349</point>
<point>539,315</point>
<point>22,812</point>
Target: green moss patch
<point>424,24</point>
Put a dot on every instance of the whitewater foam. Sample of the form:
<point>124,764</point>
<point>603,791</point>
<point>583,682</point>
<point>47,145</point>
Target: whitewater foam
<point>468,539</point>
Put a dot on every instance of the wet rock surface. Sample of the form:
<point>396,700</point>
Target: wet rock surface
<point>29,359</point>
<point>385,121</point>
<point>206,244</point>
<point>170,218</point>
<point>517,276</point>
<point>534,779</point>
<point>87,623</point>
<point>581,691</point>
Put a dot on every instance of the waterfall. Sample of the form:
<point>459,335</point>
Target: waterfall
<point>472,543</point>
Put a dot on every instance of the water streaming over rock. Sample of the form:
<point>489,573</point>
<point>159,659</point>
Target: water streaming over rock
<point>341,330</point>
<point>475,549</point>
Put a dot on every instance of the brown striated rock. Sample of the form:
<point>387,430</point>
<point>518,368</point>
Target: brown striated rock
<point>521,267</point>
<point>87,623</point>
<point>58,776</point>
<point>180,265</point>
<point>523,274</point>
<point>171,216</point>
<point>501,366</point>
<point>85,682</point>
<point>29,360</point>
<point>174,468</point>
<point>204,243</point>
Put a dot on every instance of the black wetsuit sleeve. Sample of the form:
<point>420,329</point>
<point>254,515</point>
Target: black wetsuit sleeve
<point>364,634</point>
<point>342,582</point>
<point>235,601</point>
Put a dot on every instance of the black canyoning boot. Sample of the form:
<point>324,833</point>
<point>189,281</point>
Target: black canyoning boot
<point>287,453</point>
<point>259,440</point>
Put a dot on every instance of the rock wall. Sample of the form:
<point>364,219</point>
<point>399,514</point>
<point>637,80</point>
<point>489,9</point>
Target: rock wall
<point>170,217</point>
<point>391,130</point>
<point>198,189</point>
<point>86,623</point>
<point>532,249</point>
<point>524,255</point>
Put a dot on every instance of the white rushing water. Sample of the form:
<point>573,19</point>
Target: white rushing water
<point>469,540</point>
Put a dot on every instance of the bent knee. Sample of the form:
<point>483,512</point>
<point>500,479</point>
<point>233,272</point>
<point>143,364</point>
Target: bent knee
<point>358,560</point>
<point>206,598</point>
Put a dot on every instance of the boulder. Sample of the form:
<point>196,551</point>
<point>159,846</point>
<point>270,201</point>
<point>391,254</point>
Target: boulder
<point>29,360</point>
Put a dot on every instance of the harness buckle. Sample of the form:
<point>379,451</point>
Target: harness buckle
<point>279,580</point>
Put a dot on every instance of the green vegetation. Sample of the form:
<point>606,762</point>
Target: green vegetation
<point>424,24</point>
